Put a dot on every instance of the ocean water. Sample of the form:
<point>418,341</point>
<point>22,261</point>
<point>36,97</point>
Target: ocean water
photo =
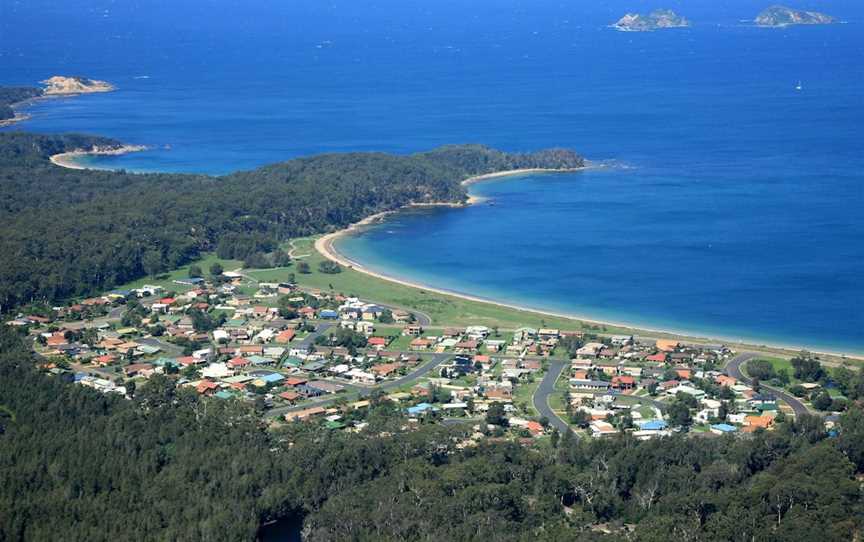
<point>732,205</point>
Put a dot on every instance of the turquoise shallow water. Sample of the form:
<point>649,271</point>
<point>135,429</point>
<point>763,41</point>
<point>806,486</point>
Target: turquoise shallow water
<point>735,209</point>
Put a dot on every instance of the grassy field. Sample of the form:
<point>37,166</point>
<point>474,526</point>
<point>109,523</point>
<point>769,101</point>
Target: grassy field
<point>166,280</point>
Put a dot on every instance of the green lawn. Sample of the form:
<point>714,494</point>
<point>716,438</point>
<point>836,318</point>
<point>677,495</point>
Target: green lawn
<point>166,280</point>
<point>524,395</point>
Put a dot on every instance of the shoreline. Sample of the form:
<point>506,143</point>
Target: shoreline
<point>68,159</point>
<point>325,245</point>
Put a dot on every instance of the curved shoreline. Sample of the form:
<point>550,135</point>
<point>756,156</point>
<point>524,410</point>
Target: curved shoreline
<point>68,160</point>
<point>325,246</point>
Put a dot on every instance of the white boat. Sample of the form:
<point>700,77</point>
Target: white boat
<point>799,86</point>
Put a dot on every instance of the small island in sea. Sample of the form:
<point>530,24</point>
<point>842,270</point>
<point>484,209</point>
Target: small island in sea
<point>62,85</point>
<point>780,16</point>
<point>656,20</point>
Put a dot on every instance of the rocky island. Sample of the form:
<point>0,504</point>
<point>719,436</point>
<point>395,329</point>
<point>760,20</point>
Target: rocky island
<point>61,85</point>
<point>779,16</point>
<point>656,20</point>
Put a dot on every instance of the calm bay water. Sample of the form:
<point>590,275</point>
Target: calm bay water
<point>735,208</point>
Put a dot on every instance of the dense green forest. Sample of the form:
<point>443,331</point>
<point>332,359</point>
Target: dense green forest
<point>172,466</point>
<point>10,96</point>
<point>75,232</point>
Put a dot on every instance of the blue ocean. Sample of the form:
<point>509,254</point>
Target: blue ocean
<point>729,202</point>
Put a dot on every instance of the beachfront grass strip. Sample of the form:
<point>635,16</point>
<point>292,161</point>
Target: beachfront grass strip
<point>441,308</point>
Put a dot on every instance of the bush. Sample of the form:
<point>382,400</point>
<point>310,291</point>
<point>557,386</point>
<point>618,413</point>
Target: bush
<point>331,268</point>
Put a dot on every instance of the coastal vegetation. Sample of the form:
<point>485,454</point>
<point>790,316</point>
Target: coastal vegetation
<point>9,96</point>
<point>108,228</point>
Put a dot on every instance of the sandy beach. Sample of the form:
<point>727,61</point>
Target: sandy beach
<point>325,246</point>
<point>69,159</point>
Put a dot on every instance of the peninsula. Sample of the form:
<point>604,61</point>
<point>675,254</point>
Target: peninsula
<point>780,16</point>
<point>58,85</point>
<point>656,20</point>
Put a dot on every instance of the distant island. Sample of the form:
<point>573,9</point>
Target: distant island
<point>779,16</point>
<point>59,85</point>
<point>656,20</point>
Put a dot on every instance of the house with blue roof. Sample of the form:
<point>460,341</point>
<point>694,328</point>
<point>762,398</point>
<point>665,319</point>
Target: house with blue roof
<point>653,425</point>
<point>328,314</point>
<point>420,409</point>
<point>272,378</point>
<point>723,428</point>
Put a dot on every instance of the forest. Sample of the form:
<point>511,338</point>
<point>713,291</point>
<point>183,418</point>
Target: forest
<point>9,96</point>
<point>170,465</point>
<point>107,228</point>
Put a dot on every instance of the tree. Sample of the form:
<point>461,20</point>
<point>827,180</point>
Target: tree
<point>580,419</point>
<point>496,415</point>
<point>328,267</point>
<point>806,368</point>
<point>195,271</point>
<point>652,388</point>
<point>851,438</point>
<point>761,369</point>
<point>822,400</point>
<point>723,411</point>
<point>303,268</point>
<point>216,269</point>
<point>679,414</point>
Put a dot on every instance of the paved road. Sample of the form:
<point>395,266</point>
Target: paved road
<point>321,328</point>
<point>733,369</point>
<point>421,370</point>
<point>545,389</point>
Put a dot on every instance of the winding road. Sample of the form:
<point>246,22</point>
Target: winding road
<point>733,369</point>
<point>544,390</point>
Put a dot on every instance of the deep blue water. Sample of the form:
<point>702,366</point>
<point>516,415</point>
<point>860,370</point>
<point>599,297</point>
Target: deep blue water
<point>738,212</point>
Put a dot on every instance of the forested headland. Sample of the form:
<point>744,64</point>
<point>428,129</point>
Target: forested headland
<point>172,465</point>
<point>9,96</point>
<point>76,232</point>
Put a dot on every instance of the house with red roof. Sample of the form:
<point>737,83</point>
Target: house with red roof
<point>420,344</point>
<point>206,387</point>
<point>535,428</point>
<point>623,383</point>
<point>238,363</point>
<point>284,337</point>
<point>377,343</point>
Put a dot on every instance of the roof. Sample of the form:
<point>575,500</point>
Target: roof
<point>724,427</point>
<point>653,425</point>
<point>419,408</point>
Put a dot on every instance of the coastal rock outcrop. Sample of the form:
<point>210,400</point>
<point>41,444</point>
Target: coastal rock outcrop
<point>60,85</point>
<point>656,20</point>
<point>785,16</point>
